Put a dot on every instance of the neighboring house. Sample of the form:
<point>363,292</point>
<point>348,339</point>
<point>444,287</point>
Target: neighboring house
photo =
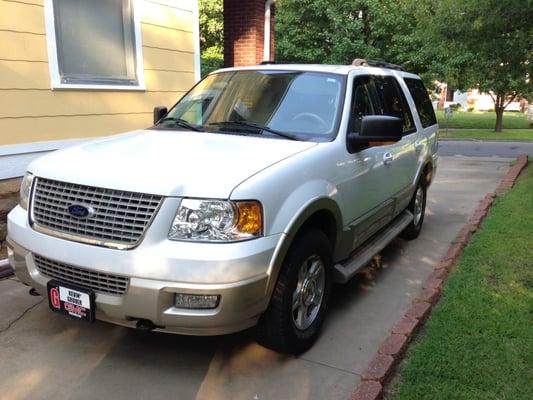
<point>472,99</point>
<point>77,69</point>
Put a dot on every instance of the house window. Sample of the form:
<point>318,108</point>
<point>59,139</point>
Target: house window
<point>95,44</point>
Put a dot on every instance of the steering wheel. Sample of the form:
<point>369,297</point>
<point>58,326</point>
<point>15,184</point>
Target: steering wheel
<point>311,116</point>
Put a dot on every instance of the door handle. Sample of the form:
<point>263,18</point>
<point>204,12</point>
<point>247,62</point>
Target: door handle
<point>418,146</point>
<point>387,158</point>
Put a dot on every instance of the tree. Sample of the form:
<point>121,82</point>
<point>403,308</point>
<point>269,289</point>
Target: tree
<point>211,34</point>
<point>336,32</point>
<point>486,44</point>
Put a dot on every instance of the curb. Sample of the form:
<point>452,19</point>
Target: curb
<point>391,351</point>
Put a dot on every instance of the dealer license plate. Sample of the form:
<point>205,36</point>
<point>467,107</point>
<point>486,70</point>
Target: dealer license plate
<point>68,299</point>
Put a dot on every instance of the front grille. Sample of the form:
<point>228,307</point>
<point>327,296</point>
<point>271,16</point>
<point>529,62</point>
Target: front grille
<point>120,218</point>
<point>98,281</point>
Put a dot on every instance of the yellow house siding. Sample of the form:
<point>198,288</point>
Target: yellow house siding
<point>31,17</point>
<point>23,75</point>
<point>41,129</point>
<point>30,111</point>
<point>168,60</point>
<point>23,46</point>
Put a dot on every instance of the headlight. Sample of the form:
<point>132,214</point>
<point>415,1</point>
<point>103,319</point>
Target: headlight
<point>25,190</point>
<point>216,221</point>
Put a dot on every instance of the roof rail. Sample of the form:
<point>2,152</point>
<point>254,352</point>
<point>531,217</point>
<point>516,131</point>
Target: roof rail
<point>361,62</point>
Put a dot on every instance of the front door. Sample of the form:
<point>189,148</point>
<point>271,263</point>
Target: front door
<point>377,179</point>
<point>365,188</point>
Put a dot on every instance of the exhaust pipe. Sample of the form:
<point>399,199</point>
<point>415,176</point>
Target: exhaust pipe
<point>144,325</point>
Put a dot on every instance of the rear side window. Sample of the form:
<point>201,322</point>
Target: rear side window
<point>394,102</point>
<point>422,101</point>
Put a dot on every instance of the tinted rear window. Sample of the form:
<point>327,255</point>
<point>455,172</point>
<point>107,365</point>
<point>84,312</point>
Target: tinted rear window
<point>422,101</point>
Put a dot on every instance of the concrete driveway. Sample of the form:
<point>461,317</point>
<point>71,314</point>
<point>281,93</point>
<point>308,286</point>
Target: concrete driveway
<point>45,356</point>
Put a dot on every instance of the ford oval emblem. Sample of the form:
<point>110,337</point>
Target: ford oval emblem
<point>80,211</point>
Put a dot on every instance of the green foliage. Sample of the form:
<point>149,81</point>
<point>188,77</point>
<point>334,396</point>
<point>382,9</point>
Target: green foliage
<point>478,342</point>
<point>211,35</point>
<point>466,43</point>
<point>336,32</point>
<point>486,43</point>
<point>211,59</point>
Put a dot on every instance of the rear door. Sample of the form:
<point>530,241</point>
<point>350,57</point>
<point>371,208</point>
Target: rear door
<point>428,121</point>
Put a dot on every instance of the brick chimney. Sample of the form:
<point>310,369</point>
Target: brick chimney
<point>244,25</point>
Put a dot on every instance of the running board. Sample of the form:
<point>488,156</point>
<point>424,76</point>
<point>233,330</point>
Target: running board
<point>343,272</point>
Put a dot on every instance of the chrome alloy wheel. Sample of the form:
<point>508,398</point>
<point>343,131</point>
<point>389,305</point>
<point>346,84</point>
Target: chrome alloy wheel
<point>309,292</point>
<point>419,205</point>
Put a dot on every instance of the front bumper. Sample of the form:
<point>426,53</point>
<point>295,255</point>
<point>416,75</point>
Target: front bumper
<point>240,273</point>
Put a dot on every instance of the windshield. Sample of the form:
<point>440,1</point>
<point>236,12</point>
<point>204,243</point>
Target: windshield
<point>304,105</point>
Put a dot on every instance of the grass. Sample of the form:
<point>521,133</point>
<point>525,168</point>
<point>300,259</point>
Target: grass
<point>487,134</point>
<point>482,120</point>
<point>478,342</point>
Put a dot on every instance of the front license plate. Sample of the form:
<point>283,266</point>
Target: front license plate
<point>68,299</point>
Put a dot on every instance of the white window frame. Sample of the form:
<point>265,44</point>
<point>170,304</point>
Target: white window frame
<point>55,77</point>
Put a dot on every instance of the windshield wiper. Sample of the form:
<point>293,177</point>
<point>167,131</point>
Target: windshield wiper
<point>255,125</point>
<point>182,123</point>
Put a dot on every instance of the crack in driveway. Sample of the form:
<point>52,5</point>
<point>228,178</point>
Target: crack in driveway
<point>20,317</point>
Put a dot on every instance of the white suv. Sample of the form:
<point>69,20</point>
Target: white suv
<point>240,207</point>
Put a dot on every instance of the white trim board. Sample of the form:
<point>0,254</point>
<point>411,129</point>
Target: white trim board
<point>196,25</point>
<point>14,166</point>
<point>15,158</point>
<point>37,147</point>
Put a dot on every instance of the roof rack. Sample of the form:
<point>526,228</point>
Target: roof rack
<point>361,62</point>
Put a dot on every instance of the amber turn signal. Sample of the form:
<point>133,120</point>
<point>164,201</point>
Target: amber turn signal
<point>250,218</point>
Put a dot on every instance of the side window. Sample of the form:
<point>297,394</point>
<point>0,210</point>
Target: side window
<point>422,102</point>
<point>365,101</point>
<point>394,102</point>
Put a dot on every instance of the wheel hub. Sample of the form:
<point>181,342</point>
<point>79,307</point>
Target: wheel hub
<point>309,292</point>
<point>419,205</point>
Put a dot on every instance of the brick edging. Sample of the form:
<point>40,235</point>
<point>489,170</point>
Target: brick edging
<point>391,351</point>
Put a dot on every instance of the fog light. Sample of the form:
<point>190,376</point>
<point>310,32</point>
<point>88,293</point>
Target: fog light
<point>196,301</point>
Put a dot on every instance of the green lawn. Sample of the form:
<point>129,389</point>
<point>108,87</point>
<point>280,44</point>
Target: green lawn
<point>478,343</point>
<point>482,120</point>
<point>487,134</point>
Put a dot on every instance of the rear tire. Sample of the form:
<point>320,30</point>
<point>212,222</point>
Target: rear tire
<point>292,322</point>
<point>417,207</point>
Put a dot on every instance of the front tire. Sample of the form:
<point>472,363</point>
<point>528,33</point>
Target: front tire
<point>417,207</point>
<point>292,322</point>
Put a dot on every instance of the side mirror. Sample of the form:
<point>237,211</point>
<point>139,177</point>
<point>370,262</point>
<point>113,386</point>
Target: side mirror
<point>375,128</point>
<point>159,112</point>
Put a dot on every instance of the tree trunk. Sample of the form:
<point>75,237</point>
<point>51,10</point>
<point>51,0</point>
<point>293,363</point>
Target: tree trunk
<point>499,119</point>
<point>499,106</point>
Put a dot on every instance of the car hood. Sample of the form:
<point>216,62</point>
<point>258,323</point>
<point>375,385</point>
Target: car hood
<point>168,163</point>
